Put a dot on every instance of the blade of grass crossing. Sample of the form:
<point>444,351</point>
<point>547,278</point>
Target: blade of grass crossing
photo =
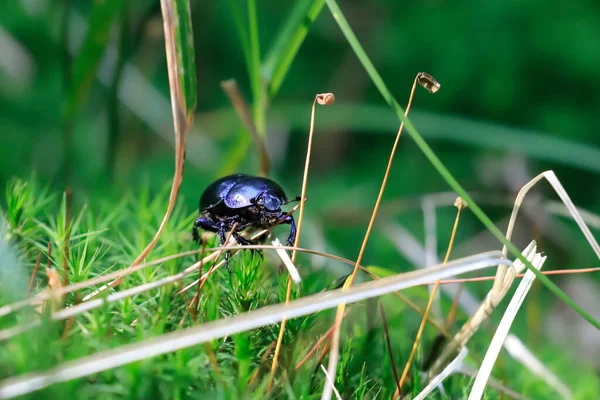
<point>179,339</point>
<point>439,166</point>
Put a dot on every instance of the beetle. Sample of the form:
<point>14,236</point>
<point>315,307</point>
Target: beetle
<point>249,201</point>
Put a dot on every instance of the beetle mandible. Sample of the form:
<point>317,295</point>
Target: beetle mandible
<point>249,201</point>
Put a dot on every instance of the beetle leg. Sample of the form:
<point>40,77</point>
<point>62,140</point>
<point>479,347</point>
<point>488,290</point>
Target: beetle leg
<point>205,224</point>
<point>245,242</point>
<point>292,238</point>
<point>223,243</point>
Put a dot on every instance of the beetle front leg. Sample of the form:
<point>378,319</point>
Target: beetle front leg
<point>205,224</point>
<point>217,227</point>
<point>292,238</point>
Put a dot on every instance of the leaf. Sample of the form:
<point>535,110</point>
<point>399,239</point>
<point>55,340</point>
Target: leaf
<point>289,40</point>
<point>94,44</point>
<point>186,61</point>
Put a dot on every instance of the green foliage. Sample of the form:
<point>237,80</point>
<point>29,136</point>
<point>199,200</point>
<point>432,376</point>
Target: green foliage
<point>97,244</point>
<point>493,62</point>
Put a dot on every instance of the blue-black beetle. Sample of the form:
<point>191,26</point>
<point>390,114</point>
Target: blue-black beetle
<point>249,201</point>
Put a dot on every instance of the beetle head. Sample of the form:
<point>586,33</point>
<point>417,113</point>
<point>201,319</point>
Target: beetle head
<point>269,201</point>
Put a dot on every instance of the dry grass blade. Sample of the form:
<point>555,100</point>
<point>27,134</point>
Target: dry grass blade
<point>469,371</point>
<point>330,383</point>
<point>459,205</point>
<point>183,108</point>
<point>335,342</point>
<point>409,247</point>
<point>287,261</point>
<point>438,379</point>
<point>507,319</point>
<point>484,310</point>
<point>180,339</point>
<point>560,190</point>
<point>322,99</point>
<point>520,352</point>
<point>505,275</point>
<point>233,92</point>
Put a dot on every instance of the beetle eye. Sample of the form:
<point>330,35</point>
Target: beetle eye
<point>271,203</point>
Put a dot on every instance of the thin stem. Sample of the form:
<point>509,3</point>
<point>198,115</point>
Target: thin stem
<point>296,240</point>
<point>34,273</point>
<point>262,360</point>
<point>431,297</point>
<point>196,299</point>
<point>340,310</point>
<point>389,346</point>
<point>326,335</point>
<point>68,205</point>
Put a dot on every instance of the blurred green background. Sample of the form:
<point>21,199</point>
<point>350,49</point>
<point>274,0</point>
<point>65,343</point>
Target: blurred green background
<point>528,66</point>
<point>519,94</point>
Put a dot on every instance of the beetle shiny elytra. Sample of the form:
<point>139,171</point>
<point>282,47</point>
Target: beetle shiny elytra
<point>249,201</point>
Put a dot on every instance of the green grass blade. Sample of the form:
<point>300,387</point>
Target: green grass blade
<point>256,81</point>
<point>238,20</point>
<point>437,163</point>
<point>289,40</point>
<point>185,54</point>
<point>92,49</point>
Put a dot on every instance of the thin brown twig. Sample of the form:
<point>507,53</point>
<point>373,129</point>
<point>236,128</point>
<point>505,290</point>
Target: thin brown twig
<point>459,205</point>
<point>34,273</point>
<point>340,310</point>
<point>326,335</point>
<point>452,312</point>
<point>389,346</point>
<point>68,204</point>
<point>262,360</point>
<point>196,299</point>
<point>323,99</point>
<point>202,282</point>
<point>214,362</point>
<point>68,327</point>
<point>325,349</point>
<point>49,259</point>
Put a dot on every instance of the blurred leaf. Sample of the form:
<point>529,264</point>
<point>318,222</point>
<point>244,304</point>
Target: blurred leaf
<point>380,271</point>
<point>374,119</point>
<point>289,40</point>
<point>94,44</point>
<point>254,69</point>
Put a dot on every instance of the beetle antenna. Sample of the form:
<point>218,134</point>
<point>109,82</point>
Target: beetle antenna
<point>297,198</point>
